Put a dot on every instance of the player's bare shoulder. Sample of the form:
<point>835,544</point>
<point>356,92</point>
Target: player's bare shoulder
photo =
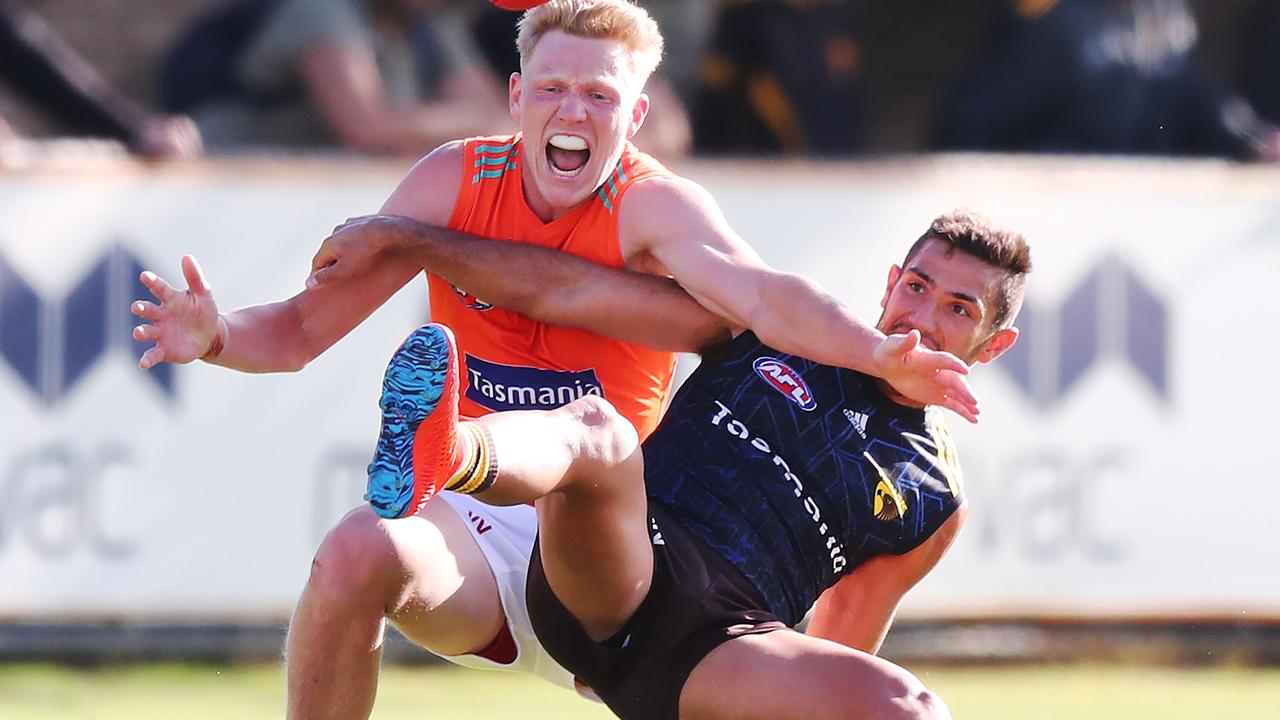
<point>666,208</point>
<point>430,188</point>
<point>664,192</point>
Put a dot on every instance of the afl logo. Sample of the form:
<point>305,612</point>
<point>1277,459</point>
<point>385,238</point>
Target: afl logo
<point>469,300</point>
<point>786,381</point>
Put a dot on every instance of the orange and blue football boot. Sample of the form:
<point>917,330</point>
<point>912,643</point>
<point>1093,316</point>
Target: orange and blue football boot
<point>419,400</point>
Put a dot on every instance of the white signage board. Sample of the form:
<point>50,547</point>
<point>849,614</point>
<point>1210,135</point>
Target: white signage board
<point>1119,470</point>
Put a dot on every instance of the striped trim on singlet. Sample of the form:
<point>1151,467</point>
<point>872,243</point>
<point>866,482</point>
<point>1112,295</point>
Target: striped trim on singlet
<point>492,161</point>
<point>611,186</point>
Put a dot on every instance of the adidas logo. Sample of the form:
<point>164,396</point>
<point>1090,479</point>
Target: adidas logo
<point>858,421</point>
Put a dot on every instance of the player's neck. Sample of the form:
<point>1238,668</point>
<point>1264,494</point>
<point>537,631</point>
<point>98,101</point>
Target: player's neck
<point>896,396</point>
<point>539,205</point>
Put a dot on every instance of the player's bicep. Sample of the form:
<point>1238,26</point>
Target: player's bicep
<point>678,224</point>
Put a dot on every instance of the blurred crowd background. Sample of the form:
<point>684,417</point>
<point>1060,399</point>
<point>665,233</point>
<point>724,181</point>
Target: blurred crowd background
<point>826,78</point>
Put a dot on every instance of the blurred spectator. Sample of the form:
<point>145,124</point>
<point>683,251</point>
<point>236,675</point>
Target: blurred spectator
<point>782,76</point>
<point>45,71</point>
<point>667,132</point>
<point>380,76</point>
<point>1101,76</point>
<point>686,30</point>
<point>1261,84</point>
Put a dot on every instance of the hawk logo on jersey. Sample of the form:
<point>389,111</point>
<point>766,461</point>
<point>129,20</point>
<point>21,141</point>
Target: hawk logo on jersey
<point>887,504</point>
<point>786,381</point>
<point>470,301</point>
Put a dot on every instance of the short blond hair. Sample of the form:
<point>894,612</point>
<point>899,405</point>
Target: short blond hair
<point>619,20</point>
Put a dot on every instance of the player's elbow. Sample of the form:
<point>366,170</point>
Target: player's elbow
<point>295,364</point>
<point>552,305</point>
<point>778,291</point>
<point>709,333</point>
<point>295,356</point>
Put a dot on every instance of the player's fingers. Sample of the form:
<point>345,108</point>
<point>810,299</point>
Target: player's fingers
<point>146,332</point>
<point>964,411</point>
<point>325,256</point>
<point>158,287</point>
<point>968,410</point>
<point>942,360</point>
<point>348,223</point>
<point>895,346</point>
<point>194,275</point>
<point>907,342</point>
<point>320,276</point>
<point>958,387</point>
<point>145,310</point>
<point>152,357</point>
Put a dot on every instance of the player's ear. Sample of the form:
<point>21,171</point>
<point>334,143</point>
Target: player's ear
<point>895,272</point>
<point>639,111</point>
<point>997,344</point>
<point>514,88</point>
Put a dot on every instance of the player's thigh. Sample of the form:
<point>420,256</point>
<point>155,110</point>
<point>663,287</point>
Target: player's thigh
<point>594,533</point>
<point>598,561</point>
<point>786,674</point>
<point>449,602</point>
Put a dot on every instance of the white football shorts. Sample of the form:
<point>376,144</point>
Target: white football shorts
<point>505,536</point>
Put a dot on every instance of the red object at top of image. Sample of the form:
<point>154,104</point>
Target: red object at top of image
<point>517,4</point>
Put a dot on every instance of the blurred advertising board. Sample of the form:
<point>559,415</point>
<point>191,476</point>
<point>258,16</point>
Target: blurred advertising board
<point>1120,469</point>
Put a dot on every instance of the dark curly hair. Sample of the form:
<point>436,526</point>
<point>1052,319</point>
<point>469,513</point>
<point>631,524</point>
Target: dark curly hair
<point>976,235</point>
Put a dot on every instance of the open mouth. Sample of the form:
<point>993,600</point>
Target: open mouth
<point>567,155</point>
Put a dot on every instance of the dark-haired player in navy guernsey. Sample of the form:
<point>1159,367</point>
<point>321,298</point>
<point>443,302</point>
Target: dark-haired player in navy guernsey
<point>668,576</point>
<point>797,473</point>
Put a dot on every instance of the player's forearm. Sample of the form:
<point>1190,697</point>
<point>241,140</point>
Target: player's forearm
<point>262,339</point>
<point>796,316</point>
<point>859,628</point>
<point>562,289</point>
<point>518,277</point>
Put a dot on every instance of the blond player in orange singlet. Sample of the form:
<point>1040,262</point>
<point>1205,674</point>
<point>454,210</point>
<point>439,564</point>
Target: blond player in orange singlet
<point>570,180</point>
<point>501,348</point>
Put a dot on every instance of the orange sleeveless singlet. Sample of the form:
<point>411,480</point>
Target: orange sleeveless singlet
<point>513,363</point>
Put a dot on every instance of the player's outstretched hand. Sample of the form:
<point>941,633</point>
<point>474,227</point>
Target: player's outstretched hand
<point>926,376</point>
<point>184,325</point>
<point>353,249</point>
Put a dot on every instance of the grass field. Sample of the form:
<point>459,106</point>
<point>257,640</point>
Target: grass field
<point>197,692</point>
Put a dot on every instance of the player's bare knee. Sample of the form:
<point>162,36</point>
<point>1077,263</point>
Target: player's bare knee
<point>930,706</point>
<point>921,704</point>
<point>906,698</point>
<point>354,558</point>
<point>607,438</point>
